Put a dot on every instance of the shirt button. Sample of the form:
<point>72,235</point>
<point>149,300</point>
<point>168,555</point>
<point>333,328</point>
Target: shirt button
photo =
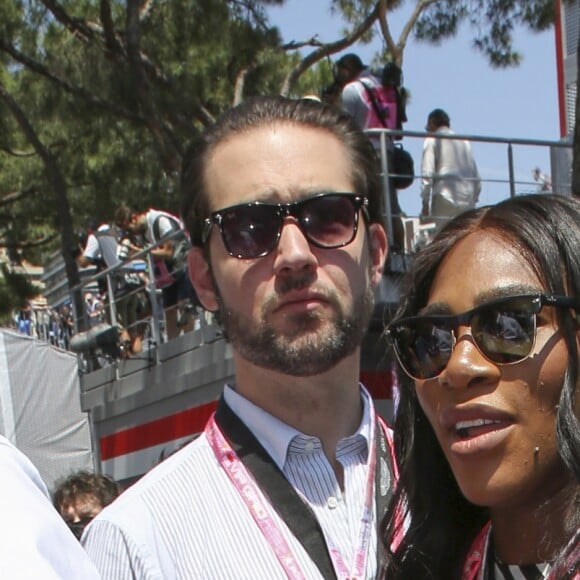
<point>309,446</point>
<point>332,503</point>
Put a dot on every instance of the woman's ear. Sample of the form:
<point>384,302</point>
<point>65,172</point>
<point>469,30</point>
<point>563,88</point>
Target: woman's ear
<point>201,278</point>
<point>378,246</point>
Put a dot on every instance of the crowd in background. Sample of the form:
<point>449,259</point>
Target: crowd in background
<point>53,325</point>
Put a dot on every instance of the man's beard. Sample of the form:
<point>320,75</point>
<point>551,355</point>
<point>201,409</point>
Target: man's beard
<point>311,344</point>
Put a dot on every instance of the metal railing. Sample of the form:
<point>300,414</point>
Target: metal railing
<point>419,230</point>
<point>559,156</point>
<point>154,325</point>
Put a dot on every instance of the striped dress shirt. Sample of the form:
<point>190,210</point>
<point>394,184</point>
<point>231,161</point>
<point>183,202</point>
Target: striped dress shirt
<point>185,520</point>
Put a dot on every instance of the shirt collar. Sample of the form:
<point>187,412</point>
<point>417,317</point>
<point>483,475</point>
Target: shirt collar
<point>275,436</point>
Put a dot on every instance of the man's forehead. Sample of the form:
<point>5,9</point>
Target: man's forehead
<point>282,127</point>
<point>279,161</point>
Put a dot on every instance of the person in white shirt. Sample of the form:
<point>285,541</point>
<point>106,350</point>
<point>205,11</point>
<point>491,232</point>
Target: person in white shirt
<point>34,540</point>
<point>291,475</point>
<point>450,180</point>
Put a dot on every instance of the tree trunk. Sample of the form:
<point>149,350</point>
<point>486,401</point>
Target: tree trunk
<point>59,189</point>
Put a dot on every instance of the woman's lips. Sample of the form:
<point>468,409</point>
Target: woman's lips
<point>476,429</point>
<point>480,438</point>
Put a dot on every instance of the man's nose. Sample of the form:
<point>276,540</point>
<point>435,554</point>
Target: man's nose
<point>294,251</point>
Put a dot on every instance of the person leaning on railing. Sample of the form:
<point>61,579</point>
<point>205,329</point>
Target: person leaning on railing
<point>169,262</point>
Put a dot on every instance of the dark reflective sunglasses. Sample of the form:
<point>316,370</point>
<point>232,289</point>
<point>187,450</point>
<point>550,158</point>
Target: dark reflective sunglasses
<point>252,230</point>
<point>504,332</point>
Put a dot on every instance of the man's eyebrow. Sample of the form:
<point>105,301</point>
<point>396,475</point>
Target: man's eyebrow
<point>482,297</point>
<point>274,196</point>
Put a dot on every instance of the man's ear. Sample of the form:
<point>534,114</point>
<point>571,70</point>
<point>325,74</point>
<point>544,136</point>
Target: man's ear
<point>201,278</point>
<point>379,247</point>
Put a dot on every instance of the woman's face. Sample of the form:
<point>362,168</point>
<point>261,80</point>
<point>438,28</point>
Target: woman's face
<point>496,424</point>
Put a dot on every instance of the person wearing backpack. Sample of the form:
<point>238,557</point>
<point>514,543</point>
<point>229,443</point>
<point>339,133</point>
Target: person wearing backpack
<point>374,105</point>
<point>169,261</point>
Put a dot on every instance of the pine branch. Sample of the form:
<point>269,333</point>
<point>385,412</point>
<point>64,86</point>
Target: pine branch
<point>327,49</point>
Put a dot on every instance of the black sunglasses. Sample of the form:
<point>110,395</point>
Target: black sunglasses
<point>252,230</point>
<point>504,332</point>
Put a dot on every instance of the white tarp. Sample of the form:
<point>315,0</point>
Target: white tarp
<point>40,409</point>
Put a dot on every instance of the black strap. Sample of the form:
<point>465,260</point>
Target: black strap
<point>283,497</point>
<point>384,488</point>
<point>375,105</point>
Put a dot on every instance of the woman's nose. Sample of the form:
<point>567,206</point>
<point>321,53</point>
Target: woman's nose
<point>467,365</point>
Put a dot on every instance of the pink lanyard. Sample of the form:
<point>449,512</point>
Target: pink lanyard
<point>252,496</point>
<point>474,565</point>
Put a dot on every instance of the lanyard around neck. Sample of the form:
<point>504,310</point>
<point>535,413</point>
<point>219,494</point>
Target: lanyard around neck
<point>258,480</point>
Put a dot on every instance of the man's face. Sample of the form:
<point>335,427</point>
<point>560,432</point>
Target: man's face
<point>135,223</point>
<point>344,75</point>
<point>83,507</point>
<point>300,309</point>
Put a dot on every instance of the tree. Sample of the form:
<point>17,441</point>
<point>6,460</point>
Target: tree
<point>100,98</point>
<point>89,97</point>
<point>493,22</point>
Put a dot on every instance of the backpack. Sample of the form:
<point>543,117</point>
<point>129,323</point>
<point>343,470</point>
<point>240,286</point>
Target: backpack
<point>383,113</point>
<point>388,100</point>
<point>181,247</point>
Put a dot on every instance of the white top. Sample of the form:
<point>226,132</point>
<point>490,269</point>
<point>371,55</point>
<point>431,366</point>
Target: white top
<point>354,99</point>
<point>166,221</point>
<point>184,519</point>
<point>356,102</point>
<point>34,540</point>
<point>92,248</point>
<point>448,169</point>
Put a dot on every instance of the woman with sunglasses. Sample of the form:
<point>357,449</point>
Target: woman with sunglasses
<point>487,427</point>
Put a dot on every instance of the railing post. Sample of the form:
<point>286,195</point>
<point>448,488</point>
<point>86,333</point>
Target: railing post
<point>386,187</point>
<point>152,290</point>
<point>112,307</point>
<point>511,170</point>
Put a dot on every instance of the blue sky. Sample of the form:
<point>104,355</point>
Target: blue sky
<point>514,103</point>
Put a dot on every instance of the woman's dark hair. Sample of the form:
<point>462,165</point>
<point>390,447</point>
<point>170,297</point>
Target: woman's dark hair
<point>442,524</point>
<point>269,111</point>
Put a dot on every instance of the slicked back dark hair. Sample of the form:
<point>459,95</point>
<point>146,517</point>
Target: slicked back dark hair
<point>272,111</point>
<point>545,230</point>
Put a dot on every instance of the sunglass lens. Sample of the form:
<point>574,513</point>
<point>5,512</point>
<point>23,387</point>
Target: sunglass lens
<point>250,231</point>
<point>423,348</point>
<point>504,336</point>
<point>329,221</point>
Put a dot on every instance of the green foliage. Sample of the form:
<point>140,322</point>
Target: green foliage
<point>15,290</point>
<point>493,22</point>
<point>117,122</point>
<point>116,140</point>
<point>313,81</point>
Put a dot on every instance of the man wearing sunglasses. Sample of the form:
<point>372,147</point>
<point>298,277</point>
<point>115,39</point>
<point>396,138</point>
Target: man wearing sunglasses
<point>293,472</point>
